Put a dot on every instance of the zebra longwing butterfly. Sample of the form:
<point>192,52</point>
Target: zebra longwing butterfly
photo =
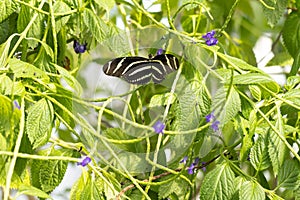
<point>140,70</point>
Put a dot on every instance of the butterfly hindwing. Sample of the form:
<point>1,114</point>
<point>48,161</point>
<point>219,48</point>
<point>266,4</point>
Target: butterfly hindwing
<point>140,70</point>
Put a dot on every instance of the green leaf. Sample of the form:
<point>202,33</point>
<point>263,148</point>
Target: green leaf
<point>296,65</point>
<point>259,156</point>
<point>25,70</point>
<point>251,190</point>
<point>71,80</point>
<point>293,96</point>
<point>6,111</point>
<point>48,174</point>
<point>106,4</point>
<point>176,186</point>
<point>61,21</point>
<point>276,147</point>
<point>289,175</point>
<point>291,34</point>
<point>162,99</point>
<point>273,15</point>
<point>251,78</point>
<point>36,29</point>
<point>238,63</point>
<point>8,26</point>
<point>134,162</point>
<point>193,104</point>
<point>255,92</point>
<point>8,87</point>
<point>292,82</point>
<point>87,187</point>
<point>7,7</point>
<point>33,191</point>
<point>226,104</point>
<point>99,29</point>
<point>118,134</point>
<point>218,183</point>
<point>39,122</point>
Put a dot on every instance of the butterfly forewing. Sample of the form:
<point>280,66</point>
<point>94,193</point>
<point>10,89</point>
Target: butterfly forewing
<point>139,70</point>
<point>116,66</point>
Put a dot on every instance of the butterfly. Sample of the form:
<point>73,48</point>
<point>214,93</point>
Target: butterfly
<point>140,70</point>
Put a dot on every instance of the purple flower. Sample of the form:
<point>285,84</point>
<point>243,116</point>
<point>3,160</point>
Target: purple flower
<point>212,41</point>
<point>209,35</point>
<point>190,169</point>
<point>160,51</point>
<point>79,48</point>
<point>215,125</point>
<point>85,161</point>
<point>184,159</point>
<point>210,117</point>
<point>209,38</point>
<point>159,127</point>
<point>17,104</point>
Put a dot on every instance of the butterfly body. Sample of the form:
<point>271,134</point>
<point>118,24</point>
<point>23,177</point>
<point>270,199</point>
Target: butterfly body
<point>140,70</point>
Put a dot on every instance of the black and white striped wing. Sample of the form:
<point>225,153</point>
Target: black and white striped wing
<point>139,70</point>
<point>117,66</point>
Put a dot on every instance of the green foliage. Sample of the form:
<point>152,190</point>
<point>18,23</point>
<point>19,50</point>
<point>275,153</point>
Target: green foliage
<point>229,129</point>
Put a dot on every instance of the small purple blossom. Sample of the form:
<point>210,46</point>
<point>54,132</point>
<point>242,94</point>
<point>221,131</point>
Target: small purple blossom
<point>159,127</point>
<point>17,104</point>
<point>209,35</point>
<point>212,41</point>
<point>190,169</point>
<point>184,159</point>
<point>79,48</point>
<point>85,161</point>
<point>160,51</point>
<point>210,117</point>
<point>215,125</point>
<point>209,38</point>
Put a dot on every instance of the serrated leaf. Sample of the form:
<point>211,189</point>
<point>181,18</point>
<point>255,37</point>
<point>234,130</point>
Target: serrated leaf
<point>8,87</point>
<point>60,21</point>
<point>276,148</point>
<point>251,78</point>
<point>106,4</point>
<point>7,7</point>
<point>88,188</point>
<point>25,70</point>
<point>36,29</point>
<point>193,104</point>
<point>291,34</point>
<point>162,99</point>
<point>48,174</point>
<point>6,112</point>
<point>293,96</point>
<point>289,175</point>
<point>226,104</point>
<point>175,186</point>
<point>33,191</point>
<point>39,122</point>
<point>96,25</point>
<point>273,15</point>
<point>8,26</point>
<point>218,183</point>
<point>255,92</point>
<point>71,80</point>
<point>258,155</point>
<point>251,190</point>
